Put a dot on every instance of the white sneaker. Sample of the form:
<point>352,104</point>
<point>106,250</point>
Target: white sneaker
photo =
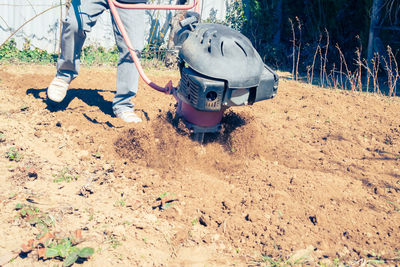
<point>128,116</point>
<point>57,90</point>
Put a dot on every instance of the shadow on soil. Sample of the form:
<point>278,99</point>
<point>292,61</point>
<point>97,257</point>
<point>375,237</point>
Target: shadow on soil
<point>90,97</point>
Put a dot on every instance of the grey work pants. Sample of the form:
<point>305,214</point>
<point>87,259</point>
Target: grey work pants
<point>82,16</point>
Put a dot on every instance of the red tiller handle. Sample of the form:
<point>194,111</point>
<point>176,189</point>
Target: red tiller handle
<point>114,3</point>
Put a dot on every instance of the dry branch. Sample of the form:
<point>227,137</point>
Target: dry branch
<point>26,22</point>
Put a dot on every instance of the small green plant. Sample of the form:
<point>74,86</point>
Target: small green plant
<point>396,206</point>
<point>336,261</point>
<point>24,108</point>
<point>281,262</point>
<point>64,176</point>
<point>375,258</point>
<point>195,221</point>
<point>13,154</point>
<point>120,203</point>
<point>50,245</point>
<point>166,200</point>
<point>65,249</point>
<point>35,217</point>
<point>113,240</point>
<point>97,155</point>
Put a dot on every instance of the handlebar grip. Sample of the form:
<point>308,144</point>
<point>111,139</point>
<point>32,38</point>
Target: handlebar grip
<point>188,21</point>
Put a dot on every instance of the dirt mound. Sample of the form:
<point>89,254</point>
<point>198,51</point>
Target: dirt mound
<point>166,144</point>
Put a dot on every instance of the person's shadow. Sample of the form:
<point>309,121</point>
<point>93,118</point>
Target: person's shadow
<point>90,96</point>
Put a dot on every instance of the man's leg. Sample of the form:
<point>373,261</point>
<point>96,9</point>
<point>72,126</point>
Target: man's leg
<point>81,17</point>
<point>127,74</point>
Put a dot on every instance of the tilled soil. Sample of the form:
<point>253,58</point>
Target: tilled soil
<point>312,176</point>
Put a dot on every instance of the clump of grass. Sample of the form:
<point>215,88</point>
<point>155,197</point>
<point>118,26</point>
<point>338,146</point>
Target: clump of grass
<point>65,175</point>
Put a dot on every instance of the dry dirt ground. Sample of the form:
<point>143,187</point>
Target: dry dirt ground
<point>312,176</point>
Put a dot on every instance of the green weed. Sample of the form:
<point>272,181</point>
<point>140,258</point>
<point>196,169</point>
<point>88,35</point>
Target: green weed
<point>24,108</point>
<point>375,258</point>
<point>96,155</point>
<point>64,176</point>
<point>396,206</point>
<point>92,55</point>
<point>35,217</point>
<point>47,244</point>
<point>281,262</point>
<point>120,203</point>
<point>67,251</point>
<point>166,200</point>
<point>13,154</point>
<point>113,240</point>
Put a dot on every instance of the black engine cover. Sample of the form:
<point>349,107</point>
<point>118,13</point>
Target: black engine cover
<point>220,68</point>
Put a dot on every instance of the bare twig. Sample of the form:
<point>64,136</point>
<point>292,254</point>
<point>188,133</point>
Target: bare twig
<point>376,63</point>
<point>396,70</point>
<point>299,47</point>
<point>364,63</point>
<point>26,22</point>
<point>293,47</point>
<point>325,56</point>
<point>315,55</point>
<point>350,76</point>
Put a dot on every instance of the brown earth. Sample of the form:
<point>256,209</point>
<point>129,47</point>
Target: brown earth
<point>310,176</point>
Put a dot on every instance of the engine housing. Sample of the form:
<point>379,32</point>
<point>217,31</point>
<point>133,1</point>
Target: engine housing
<point>220,68</point>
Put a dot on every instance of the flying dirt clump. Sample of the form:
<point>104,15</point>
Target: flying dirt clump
<point>166,144</point>
<point>156,146</point>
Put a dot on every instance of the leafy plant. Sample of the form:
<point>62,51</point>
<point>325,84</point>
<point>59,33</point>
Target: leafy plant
<point>13,154</point>
<point>49,245</point>
<point>235,16</point>
<point>35,217</point>
<point>65,249</point>
<point>91,55</point>
<point>10,53</point>
<point>97,55</point>
<point>64,176</point>
<point>166,200</point>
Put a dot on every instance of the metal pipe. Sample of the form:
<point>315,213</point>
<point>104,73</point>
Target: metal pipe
<point>113,4</point>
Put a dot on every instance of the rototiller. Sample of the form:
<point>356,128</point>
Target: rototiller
<point>219,68</point>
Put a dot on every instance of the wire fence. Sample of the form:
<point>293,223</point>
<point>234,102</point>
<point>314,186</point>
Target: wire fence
<point>40,21</point>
